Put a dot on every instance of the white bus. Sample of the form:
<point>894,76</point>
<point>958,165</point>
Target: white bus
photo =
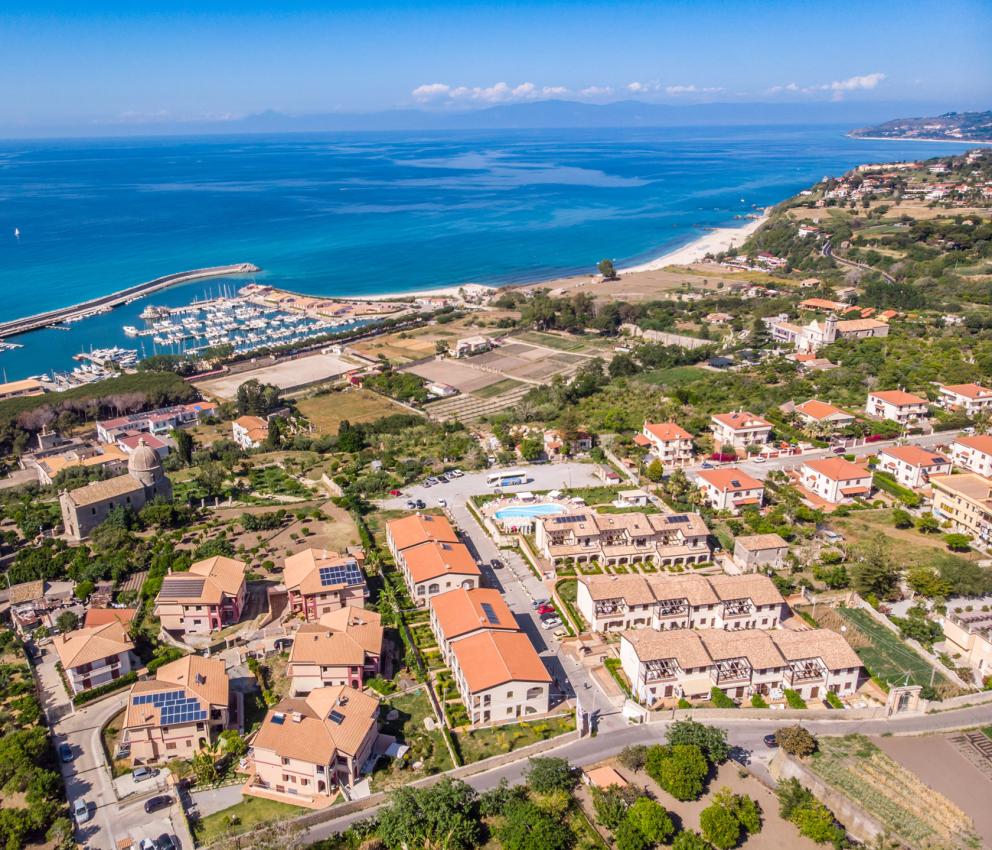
<point>506,478</point>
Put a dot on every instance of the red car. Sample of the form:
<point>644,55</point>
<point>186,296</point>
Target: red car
<point>395,493</point>
<point>545,609</point>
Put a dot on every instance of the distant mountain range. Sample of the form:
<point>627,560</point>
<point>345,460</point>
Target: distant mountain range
<point>951,126</point>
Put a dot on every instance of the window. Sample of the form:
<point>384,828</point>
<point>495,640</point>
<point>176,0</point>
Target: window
<point>285,760</point>
<point>509,710</point>
<point>170,745</point>
<point>509,694</point>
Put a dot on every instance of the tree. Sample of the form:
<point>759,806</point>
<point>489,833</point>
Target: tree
<point>83,589</point>
<point>257,399</point>
<point>233,744</point>
<point>690,840</point>
<point>650,817</point>
<point>623,364</point>
<point>927,524</point>
<point>655,471</point>
<point>928,582</point>
<point>720,827</point>
<point>816,822</point>
<point>526,827</point>
<point>680,769</point>
<point>67,621</point>
<point>440,816</point>
<point>742,807</point>
<point>185,445</point>
<point>957,542</point>
<point>441,347</point>
<point>628,837</point>
<point>611,804</point>
<point>711,740</point>
<point>204,767</point>
<point>549,773</point>
<point>531,448</point>
<point>796,740</point>
<point>210,477</point>
<point>632,757</point>
<point>607,269</point>
<point>901,518</point>
<point>874,573</point>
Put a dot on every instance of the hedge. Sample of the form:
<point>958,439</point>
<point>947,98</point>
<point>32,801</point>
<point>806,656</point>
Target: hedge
<point>720,699</point>
<point>794,699</point>
<point>173,653</point>
<point>84,697</point>
<point>884,481</point>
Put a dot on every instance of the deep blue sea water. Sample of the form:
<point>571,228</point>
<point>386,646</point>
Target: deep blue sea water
<point>355,214</point>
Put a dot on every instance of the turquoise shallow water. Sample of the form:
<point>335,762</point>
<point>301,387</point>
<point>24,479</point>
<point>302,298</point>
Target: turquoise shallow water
<point>355,214</point>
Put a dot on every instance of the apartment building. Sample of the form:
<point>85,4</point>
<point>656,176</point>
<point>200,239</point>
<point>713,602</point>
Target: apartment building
<point>664,601</point>
<point>964,501</point>
<point>670,443</point>
<point>973,454</point>
<point>432,559</point>
<point>739,430</point>
<point>822,416</point>
<point>308,748</point>
<point>689,664</point>
<point>730,489</point>
<point>586,536</point>
<point>835,480</point>
<point>208,597</point>
<point>319,582</point>
<point>912,466</point>
<point>344,648</point>
<point>458,614</point>
<point>94,656</point>
<point>970,634</point>
<point>184,708</point>
<point>159,421</point>
<point>971,399</point>
<point>897,406</point>
<point>759,551</point>
<point>500,676</point>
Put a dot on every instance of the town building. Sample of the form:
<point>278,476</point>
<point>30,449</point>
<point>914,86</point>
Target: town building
<point>689,664</point>
<point>430,556</point>
<point>472,345</point>
<point>343,648</point>
<point>101,616</point>
<point>179,712</point>
<point>158,422</point>
<point>912,466</point>
<point>308,748</point>
<point>94,656</point>
<point>250,432</point>
<point>964,501</point>
<point>973,454</point>
<point>556,443</point>
<point>969,633</point>
<point>210,596</point>
<point>815,335</point>
<point>585,536</point>
<point>668,442</point>
<point>458,614</point>
<point>822,416</point>
<point>129,443</point>
<point>897,406</point>
<point>21,389</point>
<point>835,480</point>
<point>667,601</point>
<point>730,489</point>
<point>84,508</point>
<point>631,499</point>
<point>319,582</point>
<point>500,676</point>
<point>739,430</point>
<point>756,552</point>
<point>971,399</point>
<point>109,458</point>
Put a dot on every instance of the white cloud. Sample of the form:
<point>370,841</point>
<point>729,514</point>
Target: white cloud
<point>642,88</point>
<point>865,81</point>
<point>596,91</point>
<point>553,91</point>
<point>680,89</point>
<point>500,92</point>
<point>430,91</point>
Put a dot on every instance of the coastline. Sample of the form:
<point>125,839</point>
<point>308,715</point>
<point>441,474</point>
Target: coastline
<point>920,139</point>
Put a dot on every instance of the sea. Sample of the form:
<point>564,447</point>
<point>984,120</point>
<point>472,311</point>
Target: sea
<point>361,214</point>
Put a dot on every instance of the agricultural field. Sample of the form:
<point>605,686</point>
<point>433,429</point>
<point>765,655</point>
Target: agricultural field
<point>908,809</point>
<point>327,410</point>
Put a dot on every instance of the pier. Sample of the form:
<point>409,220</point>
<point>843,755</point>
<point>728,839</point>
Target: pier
<point>115,299</point>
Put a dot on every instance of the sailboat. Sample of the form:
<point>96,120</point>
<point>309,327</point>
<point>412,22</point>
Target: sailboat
<point>17,233</point>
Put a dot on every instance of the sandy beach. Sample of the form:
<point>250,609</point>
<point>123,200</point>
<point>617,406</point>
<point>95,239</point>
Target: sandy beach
<point>470,289</point>
<point>712,242</point>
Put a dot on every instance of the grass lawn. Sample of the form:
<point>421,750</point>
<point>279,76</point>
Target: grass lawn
<point>496,389</point>
<point>250,812</point>
<point>478,744</point>
<point>673,376</point>
<point>426,748</point>
<point>550,341</point>
<point>326,411</point>
<point>906,545</point>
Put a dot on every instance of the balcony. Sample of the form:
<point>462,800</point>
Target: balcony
<point>666,670</point>
<point>732,670</point>
<point>737,608</point>
<point>610,607</point>
<point>807,670</point>
<point>672,608</point>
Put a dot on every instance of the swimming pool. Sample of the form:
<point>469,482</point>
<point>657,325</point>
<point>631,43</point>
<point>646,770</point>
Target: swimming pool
<point>528,511</point>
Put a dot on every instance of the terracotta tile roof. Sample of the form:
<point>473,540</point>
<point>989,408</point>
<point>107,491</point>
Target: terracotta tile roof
<point>697,589</point>
<point>361,624</point>
<point>460,612</point>
<point>741,421</point>
<point>835,652</point>
<point>251,422</point>
<point>205,583</point>
<point>132,441</point>
<point>302,571</point>
<point>972,391</point>
<point>227,573</point>
<point>760,589</point>
<point>604,777</point>
<point>838,469</point>
<point>102,616</point>
<point>107,455</point>
<point>101,491</point>
<point>26,591</point>
<point>980,443</point>
<point>915,456</point>
<point>730,479</point>
<point>756,646</point>
<point>203,678</point>
<point>820,410</point>
<point>632,588</point>
<point>84,646</point>
<point>315,644</point>
<point>489,659</point>
<point>641,440</point>
<point>759,542</point>
<point>855,325</point>
<point>431,560</point>
<point>680,644</point>
<point>897,397</point>
<point>667,431</point>
<point>420,528</point>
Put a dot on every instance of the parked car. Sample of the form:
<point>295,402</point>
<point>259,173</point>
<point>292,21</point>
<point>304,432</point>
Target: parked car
<point>443,502</point>
<point>81,811</point>
<point>160,801</point>
<point>539,602</point>
<point>282,643</point>
<point>838,450</point>
<point>706,465</point>
<point>560,633</point>
<point>457,473</point>
<point>421,504</point>
<point>65,752</point>
<point>770,741</point>
<point>140,774</point>
<point>166,842</point>
<point>410,504</point>
<point>429,483</point>
<point>758,459</point>
<point>496,564</point>
<point>395,492</point>
<point>553,623</point>
<point>546,609</point>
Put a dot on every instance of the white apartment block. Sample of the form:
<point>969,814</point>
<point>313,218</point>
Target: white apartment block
<point>689,664</point>
<point>670,443</point>
<point>664,601</point>
<point>740,429</point>
<point>94,656</point>
<point>897,406</point>
<point>730,489</point>
<point>969,398</point>
<point>912,466</point>
<point>973,454</point>
<point>835,480</point>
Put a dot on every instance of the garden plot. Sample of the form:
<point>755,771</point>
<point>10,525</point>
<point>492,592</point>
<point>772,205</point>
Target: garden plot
<point>463,378</point>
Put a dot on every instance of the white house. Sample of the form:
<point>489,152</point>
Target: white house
<point>912,466</point>
<point>94,656</point>
<point>740,429</point>
<point>759,551</point>
<point>835,480</point>
<point>820,414</point>
<point>670,443</point>
<point>973,453</point>
<point>730,489</point>
<point>472,345</point>
<point>249,432</point>
<point>970,398</point>
<point>897,406</point>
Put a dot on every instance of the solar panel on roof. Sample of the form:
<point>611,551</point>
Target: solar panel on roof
<point>341,574</point>
<point>678,518</point>
<point>174,587</point>
<point>336,717</point>
<point>564,520</point>
<point>489,613</point>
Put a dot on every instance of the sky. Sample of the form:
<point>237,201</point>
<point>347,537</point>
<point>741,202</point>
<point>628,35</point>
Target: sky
<point>97,63</point>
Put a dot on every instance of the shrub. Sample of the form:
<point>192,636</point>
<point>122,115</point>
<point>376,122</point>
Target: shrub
<point>720,699</point>
<point>690,840</point>
<point>84,697</point>
<point>611,804</point>
<point>758,701</point>
<point>652,820</point>
<point>833,700</point>
<point>547,774</point>
<point>627,837</point>
<point>794,699</point>
<point>680,769</point>
<point>633,757</point>
<point>796,741</point>
<point>684,703</point>
<point>711,740</point>
<point>720,827</point>
<point>816,822</point>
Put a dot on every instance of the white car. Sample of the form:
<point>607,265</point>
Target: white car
<point>553,623</point>
<point>456,473</point>
<point>81,811</point>
<point>443,502</point>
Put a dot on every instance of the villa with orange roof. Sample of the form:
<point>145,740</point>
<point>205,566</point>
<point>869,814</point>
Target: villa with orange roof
<point>670,443</point>
<point>500,676</point>
<point>101,616</point>
<point>835,480</point>
<point>342,649</point>
<point>730,489</point>
<point>897,406</point>
<point>94,656</point>
<point>208,597</point>
<point>459,614</point>
<point>969,398</point>
<point>249,432</point>
<point>973,454</point>
<point>319,582</point>
<point>430,556</point>
<point>912,466</point>
<point>823,415</point>
<point>183,709</point>
<point>740,429</point>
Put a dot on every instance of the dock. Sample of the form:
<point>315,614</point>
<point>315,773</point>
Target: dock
<point>115,299</point>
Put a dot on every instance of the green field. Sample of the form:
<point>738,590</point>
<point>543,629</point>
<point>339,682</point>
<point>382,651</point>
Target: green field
<point>246,815</point>
<point>550,341</point>
<point>496,389</point>
<point>673,377</point>
<point>478,744</point>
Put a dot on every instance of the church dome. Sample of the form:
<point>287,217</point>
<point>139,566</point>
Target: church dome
<point>143,459</point>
